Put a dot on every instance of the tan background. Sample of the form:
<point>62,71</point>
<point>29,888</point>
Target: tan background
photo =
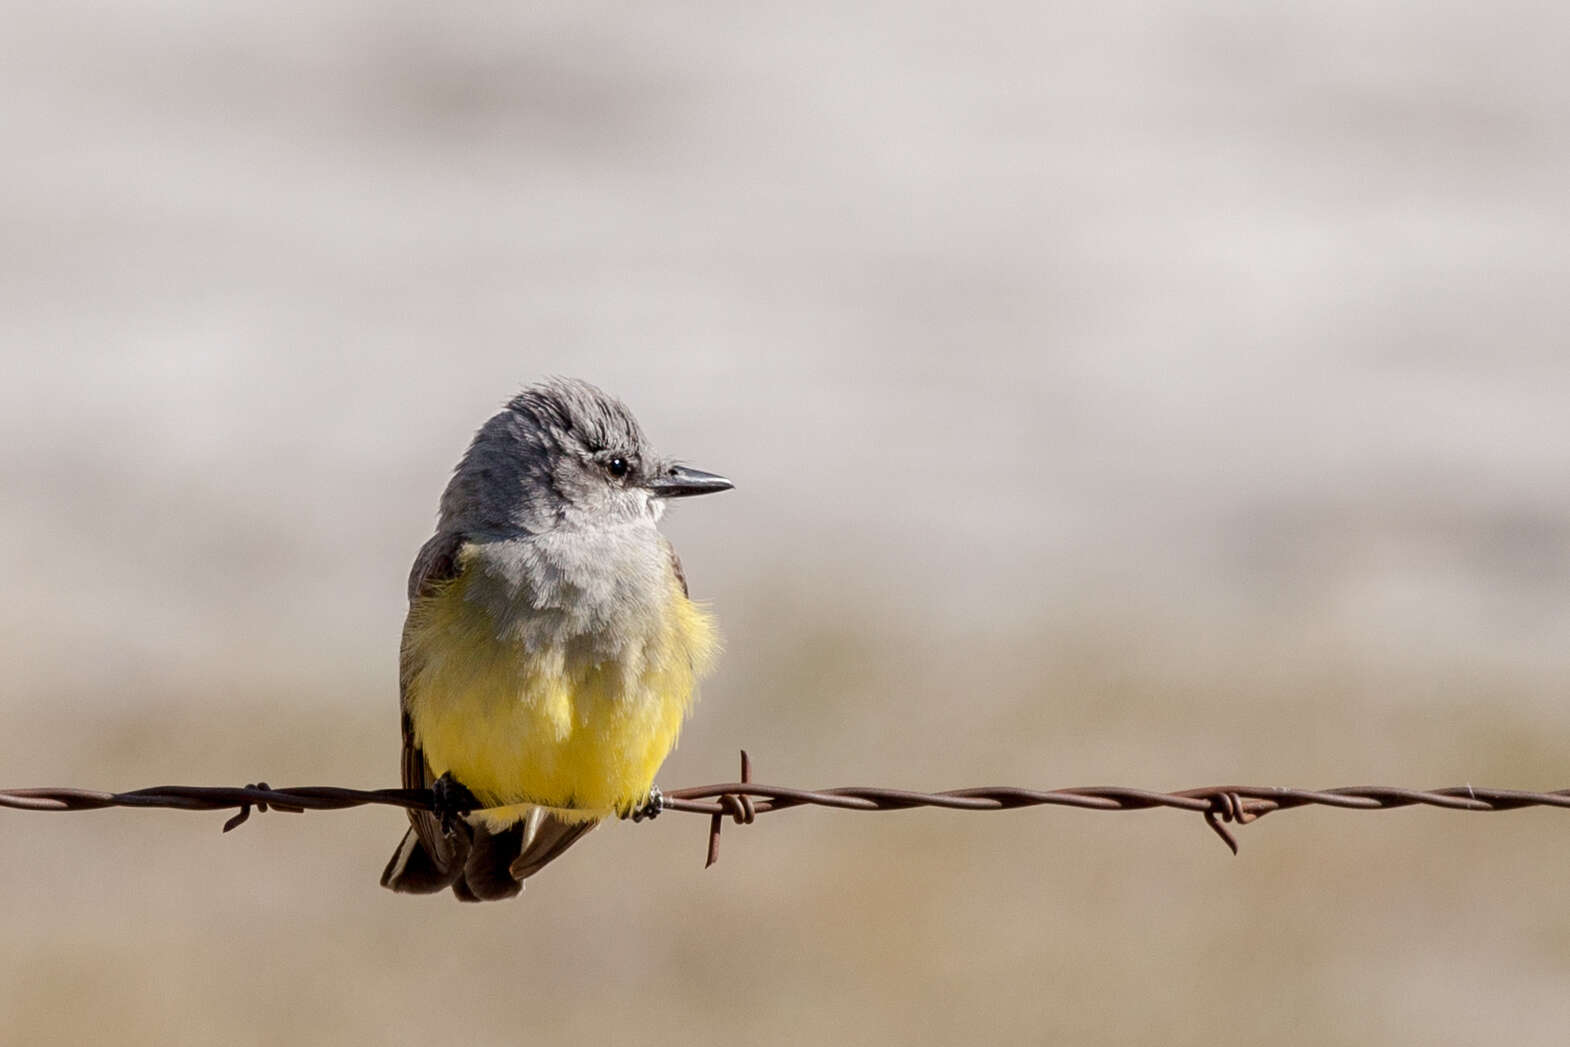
<point>1156,395</point>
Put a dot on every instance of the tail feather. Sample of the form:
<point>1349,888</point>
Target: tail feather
<point>548,838</point>
<point>489,864</point>
<point>485,877</point>
<point>412,870</point>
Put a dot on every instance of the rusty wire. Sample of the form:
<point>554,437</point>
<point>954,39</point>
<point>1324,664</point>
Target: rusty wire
<point>742,801</point>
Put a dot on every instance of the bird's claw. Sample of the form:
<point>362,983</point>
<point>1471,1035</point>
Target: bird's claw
<point>651,807</point>
<point>450,801</point>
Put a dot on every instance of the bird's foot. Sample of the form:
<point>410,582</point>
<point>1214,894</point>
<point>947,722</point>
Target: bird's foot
<point>651,807</point>
<point>450,801</point>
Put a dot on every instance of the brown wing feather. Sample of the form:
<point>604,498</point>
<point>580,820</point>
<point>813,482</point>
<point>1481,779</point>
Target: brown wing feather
<point>437,562</point>
<point>417,775</point>
<point>681,576</point>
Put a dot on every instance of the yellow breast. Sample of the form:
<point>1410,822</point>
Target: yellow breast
<point>551,727</point>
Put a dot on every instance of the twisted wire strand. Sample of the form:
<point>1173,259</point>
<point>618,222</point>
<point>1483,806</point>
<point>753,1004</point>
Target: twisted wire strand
<point>744,800</point>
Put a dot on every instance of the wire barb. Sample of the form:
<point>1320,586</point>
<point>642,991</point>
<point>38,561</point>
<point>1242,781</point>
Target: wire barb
<point>1229,807</point>
<point>738,805</point>
<point>261,806</point>
<point>744,800</point>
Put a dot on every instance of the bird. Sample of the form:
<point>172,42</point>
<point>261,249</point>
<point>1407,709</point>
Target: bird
<point>551,650</point>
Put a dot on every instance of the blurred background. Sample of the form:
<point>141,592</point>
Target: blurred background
<point>1133,394</point>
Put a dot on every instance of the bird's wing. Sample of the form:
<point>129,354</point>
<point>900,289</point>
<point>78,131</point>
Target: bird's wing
<point>681,576</point>
<point>437,562</point>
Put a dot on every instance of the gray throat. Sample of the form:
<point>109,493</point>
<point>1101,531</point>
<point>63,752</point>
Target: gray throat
<point>600,592</point>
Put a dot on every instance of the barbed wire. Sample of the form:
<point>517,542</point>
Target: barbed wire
<point>743,800</point>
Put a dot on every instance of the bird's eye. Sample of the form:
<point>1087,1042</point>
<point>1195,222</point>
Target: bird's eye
<point>617,467</point>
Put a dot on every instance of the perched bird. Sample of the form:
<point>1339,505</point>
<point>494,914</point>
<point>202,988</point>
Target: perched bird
<point>550,651</point>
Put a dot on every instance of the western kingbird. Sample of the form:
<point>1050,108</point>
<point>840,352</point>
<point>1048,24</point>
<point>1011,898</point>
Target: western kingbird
<point>550,651</point>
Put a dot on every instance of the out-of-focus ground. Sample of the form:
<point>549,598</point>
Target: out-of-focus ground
<point>1141,395</point>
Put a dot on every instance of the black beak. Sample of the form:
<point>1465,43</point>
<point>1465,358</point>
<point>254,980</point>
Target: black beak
<point>680,482</point>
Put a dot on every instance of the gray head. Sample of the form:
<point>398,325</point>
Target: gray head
<point>563,455</point>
